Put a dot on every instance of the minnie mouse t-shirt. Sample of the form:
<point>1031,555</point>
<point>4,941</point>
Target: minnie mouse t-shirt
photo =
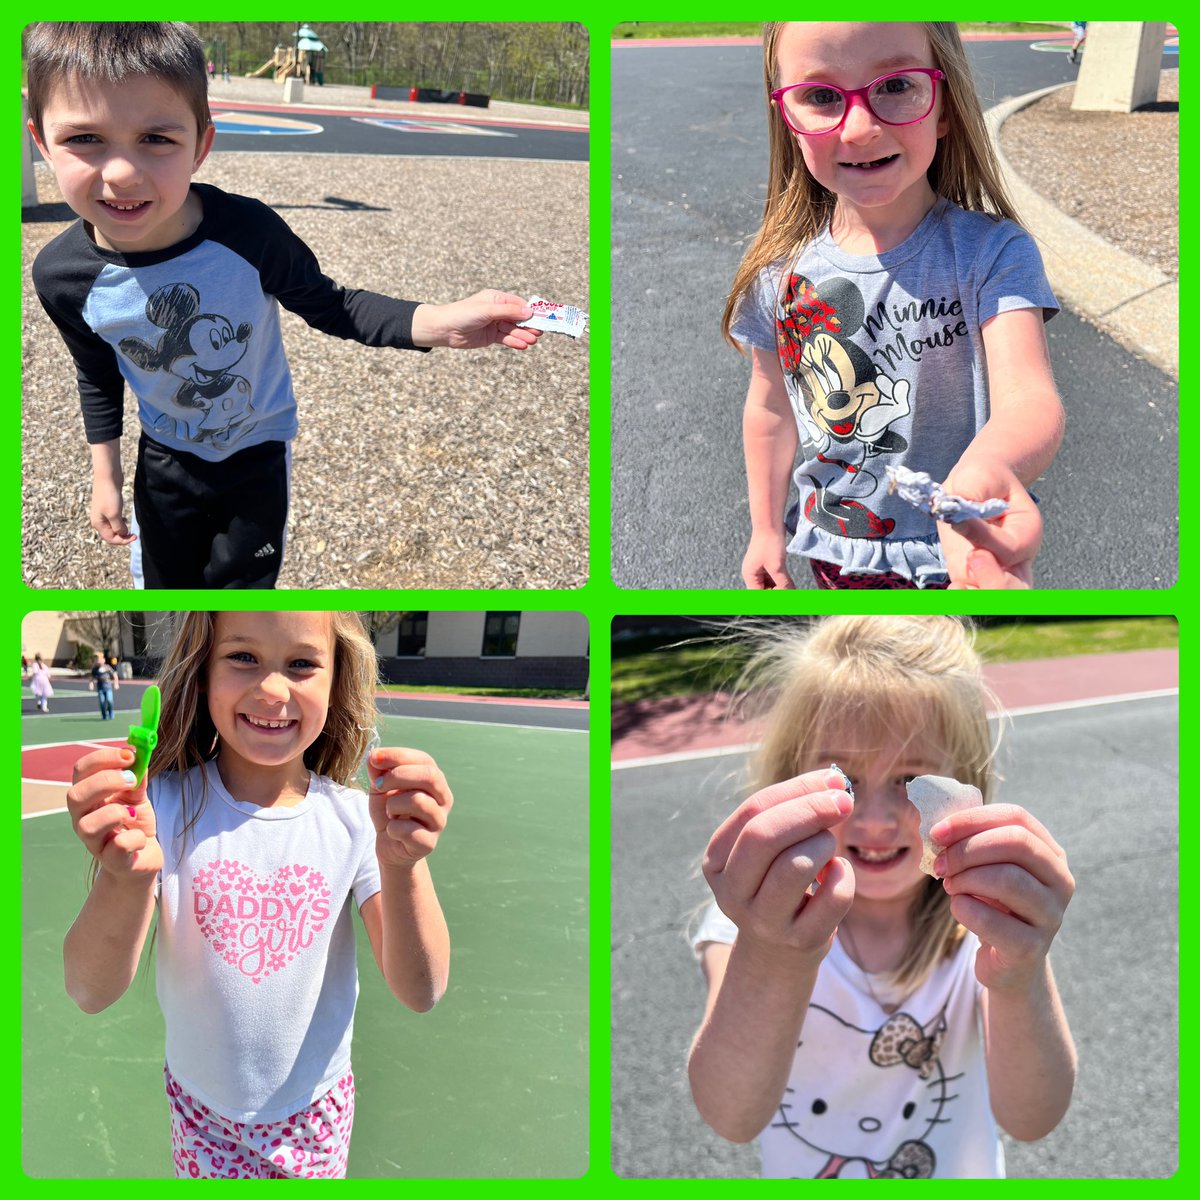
<point>256,965</point>
<point>884,364</point>
<point>874,1094</point>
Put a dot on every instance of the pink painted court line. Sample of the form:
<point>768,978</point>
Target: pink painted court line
<point>677,725</point>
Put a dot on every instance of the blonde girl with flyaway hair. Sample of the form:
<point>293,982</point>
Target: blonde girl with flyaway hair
<point>865,1019</point>
<point>250,843</point>
<point>893,309</point>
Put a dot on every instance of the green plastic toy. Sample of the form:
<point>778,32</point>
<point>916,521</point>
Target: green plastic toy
<point>144,737</point>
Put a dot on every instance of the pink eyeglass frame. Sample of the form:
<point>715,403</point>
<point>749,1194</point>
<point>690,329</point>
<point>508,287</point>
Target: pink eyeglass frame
<point>862,94</point>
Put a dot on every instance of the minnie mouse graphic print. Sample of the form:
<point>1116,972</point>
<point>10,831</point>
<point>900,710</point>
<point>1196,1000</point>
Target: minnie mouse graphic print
<point>883,360</point>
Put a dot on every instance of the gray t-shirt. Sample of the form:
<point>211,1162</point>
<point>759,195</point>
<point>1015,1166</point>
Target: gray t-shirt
<point>884,364</point>
<point>256,966</point>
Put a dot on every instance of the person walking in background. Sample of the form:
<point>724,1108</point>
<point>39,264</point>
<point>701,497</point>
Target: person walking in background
<point>40,682</point>
<point>1079,29</point>
<point>104,682</point>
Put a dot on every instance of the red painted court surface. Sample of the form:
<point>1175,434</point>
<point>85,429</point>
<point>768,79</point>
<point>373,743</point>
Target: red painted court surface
<point>52,764</point>
<point>693,725</point>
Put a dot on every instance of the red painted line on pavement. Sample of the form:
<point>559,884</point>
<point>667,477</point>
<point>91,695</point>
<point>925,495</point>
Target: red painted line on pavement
<point>748,40</point>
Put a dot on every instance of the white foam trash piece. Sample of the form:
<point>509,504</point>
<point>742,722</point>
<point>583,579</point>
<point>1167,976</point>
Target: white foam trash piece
<point>935,797</point>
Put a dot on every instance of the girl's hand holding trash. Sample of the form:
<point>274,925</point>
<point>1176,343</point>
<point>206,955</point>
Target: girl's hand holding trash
<point>1009,884</point>
<point>997,553</point>
<point>763,859</point>
<point>112,817</point>
<point>410,802</point>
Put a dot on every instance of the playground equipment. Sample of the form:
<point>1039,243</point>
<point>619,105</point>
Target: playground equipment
<point>305,60</point>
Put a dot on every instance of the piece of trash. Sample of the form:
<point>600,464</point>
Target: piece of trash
<point>556,318</point>
<point>935,797</point>
<point>917,489</point>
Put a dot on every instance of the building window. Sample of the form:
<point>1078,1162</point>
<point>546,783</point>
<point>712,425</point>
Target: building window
<point>500,634</point>
<point>410,636</point>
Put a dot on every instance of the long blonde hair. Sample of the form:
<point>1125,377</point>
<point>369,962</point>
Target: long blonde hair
<point>880,676</point>
<point>964,167</point>
<point>187,736</point>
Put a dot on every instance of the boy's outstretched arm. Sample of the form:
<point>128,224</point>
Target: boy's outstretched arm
<point>480,320</point>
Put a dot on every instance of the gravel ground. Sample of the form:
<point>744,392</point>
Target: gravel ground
<point>445,470</point>
<point>1116,173</point>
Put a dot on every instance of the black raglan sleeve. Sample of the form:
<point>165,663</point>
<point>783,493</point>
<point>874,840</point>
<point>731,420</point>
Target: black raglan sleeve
<point>63,279</point>
<point>289,271</point>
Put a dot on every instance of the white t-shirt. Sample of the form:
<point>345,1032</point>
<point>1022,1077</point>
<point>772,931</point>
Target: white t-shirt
<point>873,1095</point>
<point>256,969</point>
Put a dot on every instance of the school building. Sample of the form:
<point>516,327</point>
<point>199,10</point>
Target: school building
<point>450,649</point>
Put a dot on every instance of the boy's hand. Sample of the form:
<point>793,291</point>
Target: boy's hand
<point>1008,883</point>
<point>480,320</point>
<point>409,803</point>
<point>763,859</point>
<point>106,512</point>
<point>991,554</point>
<point>765,563</point>
<point>112,817</point>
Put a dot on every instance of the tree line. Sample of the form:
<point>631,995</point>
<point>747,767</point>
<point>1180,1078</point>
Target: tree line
<point>544,62</point>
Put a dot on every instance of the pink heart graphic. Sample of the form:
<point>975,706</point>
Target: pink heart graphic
<point>258,924</point>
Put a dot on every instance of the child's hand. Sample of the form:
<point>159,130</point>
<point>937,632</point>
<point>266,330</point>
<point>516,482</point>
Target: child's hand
<point>107,513</point>
<point>761,862</point>
<point>112,817</point>
<point>1008,883</point>
<point>480,320</point>
<point>991,554</point>
<point>765,563</point>
<point>409,801</point>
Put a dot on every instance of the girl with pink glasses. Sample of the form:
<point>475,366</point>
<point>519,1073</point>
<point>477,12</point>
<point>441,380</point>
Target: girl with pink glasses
<point>893,309</point>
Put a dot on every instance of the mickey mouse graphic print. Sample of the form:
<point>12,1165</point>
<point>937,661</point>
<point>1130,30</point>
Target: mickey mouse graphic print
<point>883,1085</point>
<point>194,328</point>
<point>883,361</point>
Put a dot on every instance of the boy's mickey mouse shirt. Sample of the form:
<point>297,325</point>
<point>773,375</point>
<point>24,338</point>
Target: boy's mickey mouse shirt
<point>883,1093</point>
<point>255,950</point>
<point>194,328</point>
<point>884,364</point>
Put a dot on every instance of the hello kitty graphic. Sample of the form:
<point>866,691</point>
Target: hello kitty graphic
<point>879,1131</point>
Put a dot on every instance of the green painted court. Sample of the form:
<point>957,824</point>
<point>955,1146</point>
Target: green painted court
<point>492,1082</point>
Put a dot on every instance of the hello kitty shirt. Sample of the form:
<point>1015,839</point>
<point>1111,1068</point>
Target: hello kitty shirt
<point>883,1095</point>
<point>255,953</point>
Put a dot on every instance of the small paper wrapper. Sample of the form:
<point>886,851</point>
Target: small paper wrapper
<point>556,318</point>
<point>935,797</point>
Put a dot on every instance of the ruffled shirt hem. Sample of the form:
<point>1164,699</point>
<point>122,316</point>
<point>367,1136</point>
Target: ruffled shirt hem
<point>918,559</point>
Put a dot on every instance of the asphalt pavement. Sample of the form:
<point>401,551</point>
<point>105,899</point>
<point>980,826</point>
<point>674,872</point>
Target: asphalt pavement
<point>689,164</point>
<point>1103,779</point>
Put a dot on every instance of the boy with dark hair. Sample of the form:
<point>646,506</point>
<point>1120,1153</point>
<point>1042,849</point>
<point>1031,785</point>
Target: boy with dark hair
<point>173,287</point>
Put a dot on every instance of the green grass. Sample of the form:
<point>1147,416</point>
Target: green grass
<point>649,670</point>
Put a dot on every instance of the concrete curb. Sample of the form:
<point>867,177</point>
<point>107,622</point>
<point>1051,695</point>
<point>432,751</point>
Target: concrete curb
<point>1137,304</point>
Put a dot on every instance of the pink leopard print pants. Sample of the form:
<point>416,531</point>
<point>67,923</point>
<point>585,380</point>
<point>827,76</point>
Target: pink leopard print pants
<point>312,1144</point>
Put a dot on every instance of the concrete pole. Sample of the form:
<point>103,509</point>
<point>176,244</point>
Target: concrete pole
<point>29,196</point>
<point>1121,65</point>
